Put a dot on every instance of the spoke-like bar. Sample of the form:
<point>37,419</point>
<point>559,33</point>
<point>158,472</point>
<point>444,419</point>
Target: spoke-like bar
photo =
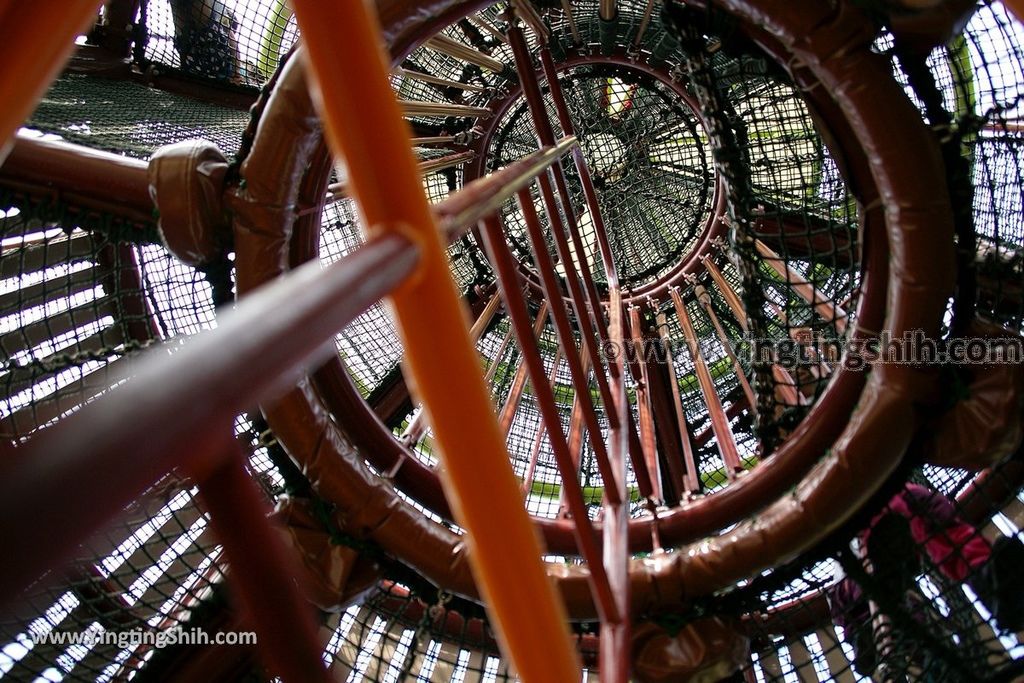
<point>586,538</point>
<point>528,13</point>
<point>822,304</point>
<point>515,394</point>
<point>545,131</point>
<point>493,368</point>
<point>720,423</point>
<point>586,180</point>
<point>576,427</point>
<point>437,80</point>
<point>704,299</point>
<point>263,571</point>
<point>424,108</point>
<point>549,281</point>
<point>576,422</point>
<point>785,385</point>
<point>487,26</point>
<point>364,124</point>
<point>435,140</point>
<point>690,477</point>
<point>454,48</point>
<point>538,441</point>
<point>614,655</point>
<point>571,20</point>
<point>608,10</point>
<point>462,210</point>
<point>546,135</point>
<point>425,167</point>
<point>485,317</point>
<point>644,23</point>
<point>648,438</point>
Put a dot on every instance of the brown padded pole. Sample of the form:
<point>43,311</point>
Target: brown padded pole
<point>82,175</point>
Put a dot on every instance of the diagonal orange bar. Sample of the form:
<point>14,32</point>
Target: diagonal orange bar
<point>364,123</point>
<point>35,41</point>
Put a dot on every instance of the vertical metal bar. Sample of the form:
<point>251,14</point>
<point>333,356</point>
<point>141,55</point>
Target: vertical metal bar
<point>454,48</point>
<point>515,394</point>
<point>785,385</point>
<point>608,10</point>
<point>485,317</point>
<point>648,438</point>
<point>586,537</point>
<point>704,299</point>
<point>559,314</point>
<point>644,23</point>
<point>613,657</point>
<point>691,477</point>
<point>822,304</point>
<point>719,421</point>
<point>531,466</point>
<point>365,125</point>
<point>576,426</point>
<point>493,368</point>
<point>571,20</point>
<point>262,573</point>
<point>546,136</point>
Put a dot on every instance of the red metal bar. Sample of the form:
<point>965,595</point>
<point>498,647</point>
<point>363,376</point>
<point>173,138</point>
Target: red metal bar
<point>648,438</point>
<point>125,441</point>
<point>81,176</point>
<point>508,282</point>
<point>785,385</point>
<point>560,316</point>
<point>531,466</point>
<point>691,477</point>
<point>704,299</point>
<point>576,427</point>
<point>262,571</point>
<point>822,304</point>
<point>587,306</point>
<point>493,368</point>
<point>586,180</point>
<point>515,394</point>
<point>614,655</point>
<point>724,435</point>
<point>589,294</point>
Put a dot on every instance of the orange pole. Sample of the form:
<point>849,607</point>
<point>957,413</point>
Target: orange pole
<point>35,41</point>
<point>364,124</point>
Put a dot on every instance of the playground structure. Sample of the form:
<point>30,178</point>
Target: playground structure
<point>647,210</point>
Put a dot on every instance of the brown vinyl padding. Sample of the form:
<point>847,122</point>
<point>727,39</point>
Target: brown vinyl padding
<point>987,425</point>
<point>834,45</point>
<point>186,181</point>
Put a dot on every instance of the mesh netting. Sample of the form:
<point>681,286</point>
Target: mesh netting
<point>131,119</point>
<point>644,147</point>
<point>82,294</point>
<point>923,591</point>
<point>234,43</point>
